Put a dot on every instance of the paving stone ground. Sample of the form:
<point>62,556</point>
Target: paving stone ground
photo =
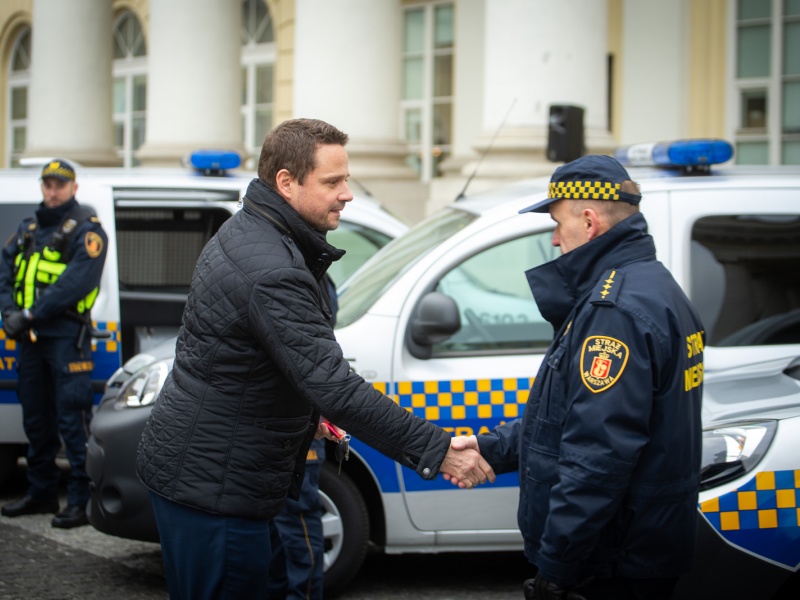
<point>39,561</point>
<point>34,566</point>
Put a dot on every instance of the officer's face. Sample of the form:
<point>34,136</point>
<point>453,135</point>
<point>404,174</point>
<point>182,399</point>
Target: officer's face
<point>324,193</point>
<point>56,192</point>
<point>572,226</point>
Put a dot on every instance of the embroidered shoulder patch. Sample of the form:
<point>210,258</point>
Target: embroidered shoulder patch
<point>603,360</point>
<point>94,244</point>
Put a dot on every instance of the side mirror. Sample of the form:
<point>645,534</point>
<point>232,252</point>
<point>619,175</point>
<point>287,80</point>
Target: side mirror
<point>435,319</point>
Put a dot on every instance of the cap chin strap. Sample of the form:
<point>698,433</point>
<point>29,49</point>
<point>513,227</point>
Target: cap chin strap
<point>630,198</point>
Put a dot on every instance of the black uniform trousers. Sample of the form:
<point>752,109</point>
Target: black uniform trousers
<point>55,391</point>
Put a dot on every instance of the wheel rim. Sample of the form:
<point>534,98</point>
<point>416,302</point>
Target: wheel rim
<point>332,529</point>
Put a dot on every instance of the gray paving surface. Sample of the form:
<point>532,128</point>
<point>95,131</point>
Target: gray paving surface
<point>35,566</point>
<point>39,561</point>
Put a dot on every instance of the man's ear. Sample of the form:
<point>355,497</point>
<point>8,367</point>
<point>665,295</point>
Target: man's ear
<point>593,223</point>
<point>283,184</point>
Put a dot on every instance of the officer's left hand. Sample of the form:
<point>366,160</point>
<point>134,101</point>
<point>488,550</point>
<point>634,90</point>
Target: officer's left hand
<point>16,324</point>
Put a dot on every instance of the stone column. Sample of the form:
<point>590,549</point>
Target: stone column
<point>69,101</point>
<point>350,77</point>
<point>194,80</point>
<point>537,53</point>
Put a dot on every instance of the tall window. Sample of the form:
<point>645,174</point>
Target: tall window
<point>427,104</point>
<point>18,82</point>
<point>258,63</point>
<point>130,87</point>
<point>768,81</point>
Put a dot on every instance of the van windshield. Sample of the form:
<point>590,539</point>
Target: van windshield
<point>360,291</point>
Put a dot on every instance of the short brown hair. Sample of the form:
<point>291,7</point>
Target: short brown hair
<point>292,145</point>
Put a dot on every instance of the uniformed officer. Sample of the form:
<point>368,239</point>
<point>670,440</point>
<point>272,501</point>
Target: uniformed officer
<point>49,279</point>
<point>608,448</point>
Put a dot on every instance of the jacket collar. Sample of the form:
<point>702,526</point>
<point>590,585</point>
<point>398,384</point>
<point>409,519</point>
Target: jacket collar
<point>263,201</point>
<point>559,284</point>
<point>48,217</point>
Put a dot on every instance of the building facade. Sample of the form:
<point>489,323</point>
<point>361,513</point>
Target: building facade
<point>435,94</point>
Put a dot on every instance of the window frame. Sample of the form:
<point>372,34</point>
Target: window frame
<point>772,134</point>
<point>426,149</point>
<point>16,80</point>
<point>128,69</point>
<point>254,55</point>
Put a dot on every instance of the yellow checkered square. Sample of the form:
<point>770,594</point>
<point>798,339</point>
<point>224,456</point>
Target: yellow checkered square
<point>748,501</point>
<point>765,480</point>
<point>767,519</point>
<point>785,499</point>
<point>729,521</point>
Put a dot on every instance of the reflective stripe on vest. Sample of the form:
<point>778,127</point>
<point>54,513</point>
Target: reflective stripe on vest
<point>41,270</point>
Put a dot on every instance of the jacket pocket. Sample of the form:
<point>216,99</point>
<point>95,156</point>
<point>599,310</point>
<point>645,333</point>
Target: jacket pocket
<point>281,443</point>
<point>543,452</point>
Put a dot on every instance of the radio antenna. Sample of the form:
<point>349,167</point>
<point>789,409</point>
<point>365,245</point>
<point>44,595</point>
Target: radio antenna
<point>486,151</point>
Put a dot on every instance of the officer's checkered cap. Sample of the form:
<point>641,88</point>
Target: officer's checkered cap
<point>592,177</point>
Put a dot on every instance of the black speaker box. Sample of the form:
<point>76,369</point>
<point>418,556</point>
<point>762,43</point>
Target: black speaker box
<point>565,133</point>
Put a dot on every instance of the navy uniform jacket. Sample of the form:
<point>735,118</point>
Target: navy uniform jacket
<point>609,446</point>
<point>87,252</point>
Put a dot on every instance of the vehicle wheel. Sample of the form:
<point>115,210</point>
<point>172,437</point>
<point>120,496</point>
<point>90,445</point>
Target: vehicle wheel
<point>345,525</point>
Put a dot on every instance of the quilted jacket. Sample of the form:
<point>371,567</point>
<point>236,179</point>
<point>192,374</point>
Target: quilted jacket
<point>256,363</point>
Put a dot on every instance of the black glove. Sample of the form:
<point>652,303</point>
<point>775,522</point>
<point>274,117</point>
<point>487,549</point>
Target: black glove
<point>16,324</point>
<point>541,589</point>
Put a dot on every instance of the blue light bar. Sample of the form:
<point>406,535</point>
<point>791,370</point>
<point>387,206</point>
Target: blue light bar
<point>215,161</point>
<point>680,153</point>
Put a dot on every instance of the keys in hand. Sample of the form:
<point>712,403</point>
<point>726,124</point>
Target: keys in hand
<point>343,450</point>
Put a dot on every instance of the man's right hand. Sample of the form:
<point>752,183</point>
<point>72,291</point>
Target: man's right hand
<point>16,324</point>
<point>473,468</point>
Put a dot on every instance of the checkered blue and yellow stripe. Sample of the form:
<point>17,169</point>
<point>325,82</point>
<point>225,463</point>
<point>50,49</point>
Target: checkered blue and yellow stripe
<point>461,399</point>
<point>106,354</point>
<point>762,516</point>
<point>589,190</point>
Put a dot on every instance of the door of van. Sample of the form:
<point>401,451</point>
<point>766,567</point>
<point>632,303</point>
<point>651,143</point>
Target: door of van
<point>481,376</point>
<point>160,235</point>
<point>20,196</point>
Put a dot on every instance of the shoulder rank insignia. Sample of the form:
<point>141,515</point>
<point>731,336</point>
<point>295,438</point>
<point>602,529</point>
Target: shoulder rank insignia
<point>607,288</point>
<point>603,360</point>
<point>94,244</point>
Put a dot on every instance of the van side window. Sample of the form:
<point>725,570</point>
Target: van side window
<point>744,279</point>
<point>497,310</point>
<point>157,248</point>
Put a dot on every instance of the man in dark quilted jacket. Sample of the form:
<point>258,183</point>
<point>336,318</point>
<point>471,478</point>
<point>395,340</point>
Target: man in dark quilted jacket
<point>256,364</point>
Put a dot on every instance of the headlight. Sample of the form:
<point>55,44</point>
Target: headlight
<point>732,450</point>
<point>122,374</point>
<point>142,388</point>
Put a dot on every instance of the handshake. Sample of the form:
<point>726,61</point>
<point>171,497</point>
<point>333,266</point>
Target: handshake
<point>463,464</point>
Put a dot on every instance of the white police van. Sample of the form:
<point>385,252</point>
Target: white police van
<point>157,221</point>
<point>442,320</point>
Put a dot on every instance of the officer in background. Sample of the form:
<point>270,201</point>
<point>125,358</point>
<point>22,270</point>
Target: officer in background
<point>49,279</point>
<point>298,541</point>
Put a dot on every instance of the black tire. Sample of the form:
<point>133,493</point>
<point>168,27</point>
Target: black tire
<point>346,528</point>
